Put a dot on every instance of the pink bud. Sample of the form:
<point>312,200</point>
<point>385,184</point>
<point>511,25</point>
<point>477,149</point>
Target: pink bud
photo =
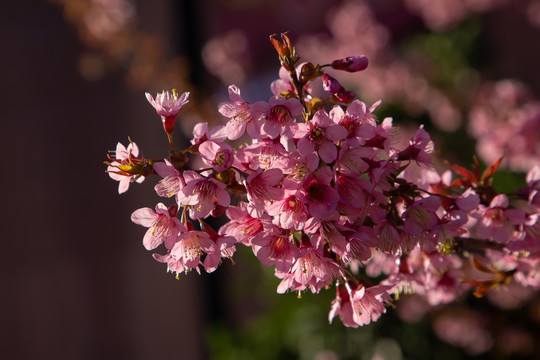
<point>351,63</point>
<point>331,85</point>
<point>345,96</point>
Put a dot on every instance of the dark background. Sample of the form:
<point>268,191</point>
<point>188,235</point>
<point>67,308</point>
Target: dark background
<point>77,283</point>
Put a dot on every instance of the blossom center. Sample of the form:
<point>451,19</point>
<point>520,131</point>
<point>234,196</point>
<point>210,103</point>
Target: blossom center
<point>350,123</point>
<point>279,245</point>
<point>220,159</point>
<point>316,136</point>
<point>279,114</point>
<point>315,191</point>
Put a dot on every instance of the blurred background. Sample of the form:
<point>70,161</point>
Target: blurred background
<point>78,284</point>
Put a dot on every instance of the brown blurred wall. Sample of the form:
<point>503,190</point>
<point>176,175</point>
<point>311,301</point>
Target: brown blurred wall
<point>76,280</point>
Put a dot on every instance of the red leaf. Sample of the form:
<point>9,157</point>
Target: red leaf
<point>490,171</point>
<point>467,174</point>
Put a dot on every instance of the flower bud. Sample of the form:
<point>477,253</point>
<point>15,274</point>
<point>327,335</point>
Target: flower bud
<point>345,96</point>
<point>331,85</point>
<point>287,54</point>
<point>351,63</point>
<point>309,72</point>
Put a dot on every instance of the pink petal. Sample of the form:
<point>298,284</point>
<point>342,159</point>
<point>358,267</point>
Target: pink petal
<point>337,113</point>
<point>533,175</point>
<point>165,169</point>
<point>223,197</point>
<point>227,109</point>
<point>191,175</point>
<point>328,152</point>
<point>208,150</point>
<point>336,132</point>
<point>500,201</point>
<point>144,217</point>
<point>234,94</point>
<point>468,201</point>
<point>271,129</point>
<point>305,147</point>
<point>358,108</point>
<point>151,242</point>
<point>217,133</point>
<point>272,176</point>
<point>124,184</point>
<point>235,129</point>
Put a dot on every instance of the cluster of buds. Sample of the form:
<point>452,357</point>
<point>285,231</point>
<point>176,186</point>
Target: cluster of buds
<point>320,191</point>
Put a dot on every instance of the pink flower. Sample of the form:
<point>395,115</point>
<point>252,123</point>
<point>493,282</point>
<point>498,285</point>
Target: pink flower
<point>357,305</point>
<point>289,212</point>
<point>312,269</point>
<point>327,230</point>
<point>240,114</point>
<point>452,224</point>
<point>243,226</point>
<point>497,221</point>
<point>275,247</point>
<point>300,166</point>
<point>419,149</point>
<point>202,134</point>
<point>193,246</point>
<point>201,192</point>
<point>172,181</point>
<point>350,160</point>
<point>283,84</point>
<point>420,215</point>
<point>163,225</point>
<point>351,190</point>
<point>264,154</point>
<point>261,190</point>
<point>125,165</point>
<point>358,120</point>
<point>382,263</point>
<point>385,135</point>
<point>190,248</point>
<point>442,277</point>
<point>278,116</point>
<point>389,238</point>
<point>226,247</point>
<point>168,105</point>
<point>217,155</point>
<point>421,176</point>
<point>468,201</point>
<point>320,135</point>
<point>318,194</point>
<point>360,245</point>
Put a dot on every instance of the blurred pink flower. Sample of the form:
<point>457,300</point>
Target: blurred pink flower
<point>463,328</point>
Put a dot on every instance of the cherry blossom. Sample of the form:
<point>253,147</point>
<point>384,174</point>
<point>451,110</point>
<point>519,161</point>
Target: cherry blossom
<point>123,167</point>
<point>163,226</point>
<point>168,104</point>
<point>321,190</point>
<point>357,305</point>
<point>200,192</point>
<point>240,113</point>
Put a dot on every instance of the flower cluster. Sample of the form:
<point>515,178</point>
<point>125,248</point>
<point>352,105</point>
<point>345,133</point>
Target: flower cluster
<point>321,193</point>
